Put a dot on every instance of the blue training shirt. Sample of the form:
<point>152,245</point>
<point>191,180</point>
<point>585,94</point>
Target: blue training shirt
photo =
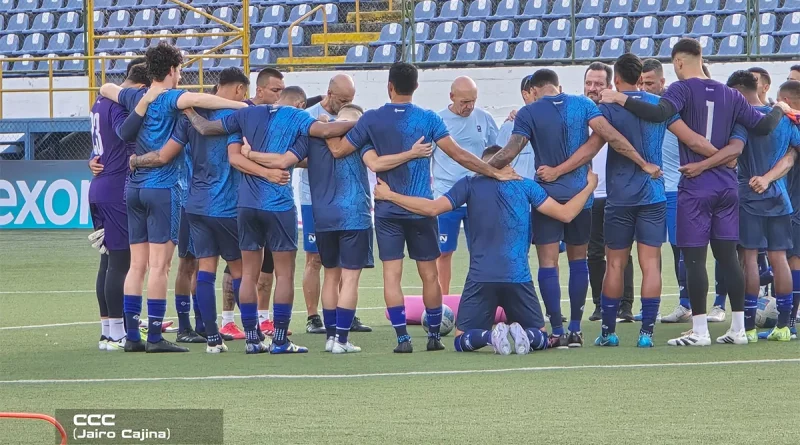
<point>760,154</point>
<point>159,121</point>
<point>393,129</point>
<point>523,164</point>
<point>268,129</point>
<point>626,183</point>
<point>214,183</point>
<point>556,127</point>
<point>499,218</point>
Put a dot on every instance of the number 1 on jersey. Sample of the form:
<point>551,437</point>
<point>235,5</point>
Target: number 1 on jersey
<point>709,119</point>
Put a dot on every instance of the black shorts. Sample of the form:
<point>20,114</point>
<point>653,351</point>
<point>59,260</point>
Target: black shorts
<point>479,303</point>
<point>547,230</point>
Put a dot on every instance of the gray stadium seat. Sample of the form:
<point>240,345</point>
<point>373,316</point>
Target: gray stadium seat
<point>273,15</point>
<point>527,50</point>
<point>70,21</point>
<point>591,8</point>
<point>588,28</point>
<point>265,38</point>
<point>506,9</point>
<point>451,10</point>
<point>496,51</point>
<point>502,30</point>
<point>468,52</point>
<point>674,26</point>
<point>731,46</point>
<point>260,57</point>
<point>643,47</point>
<point>790,45</point>
<point>43,22</point>
<point>473,32</point>
<point>618,8</point>
<point>734,24</point>
<point>585,49</point>
<point>612,49</point>
<point>534,9</point>
<point>665,50</point>
<point>357,54</point>
<point>529,30</point>
<point>479,10</point>
<point>445,32</point>
<point>390,33</point>
<point>704,25</point>
<point>425,11</point>
<point>385,54</point>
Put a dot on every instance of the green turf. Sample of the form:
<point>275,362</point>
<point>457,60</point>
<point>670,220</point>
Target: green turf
<point>570,403</point>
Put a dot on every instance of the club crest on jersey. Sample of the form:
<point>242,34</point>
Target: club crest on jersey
<point>442,239</point>
<point>479,129</point>
<point>312,238</point>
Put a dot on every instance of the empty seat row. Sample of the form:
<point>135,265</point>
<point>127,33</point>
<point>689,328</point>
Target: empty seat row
<point>61,43</point>
<point>8,6</point>
<point>263,38</point>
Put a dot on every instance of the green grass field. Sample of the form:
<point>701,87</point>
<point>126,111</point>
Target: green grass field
<point>49,360</point>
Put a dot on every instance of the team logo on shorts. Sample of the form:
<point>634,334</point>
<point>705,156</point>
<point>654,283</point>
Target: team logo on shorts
<point>312,238</point>
<point>442,239</point>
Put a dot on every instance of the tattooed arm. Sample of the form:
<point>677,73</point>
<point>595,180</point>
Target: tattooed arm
<point>157,158</point>
<point>204,126</point>
<point>504,157</point>
<point>621,145</point>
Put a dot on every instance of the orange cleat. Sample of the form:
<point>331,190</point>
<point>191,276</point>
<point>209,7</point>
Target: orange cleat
<point>232,330</point>
<point>268,328</point>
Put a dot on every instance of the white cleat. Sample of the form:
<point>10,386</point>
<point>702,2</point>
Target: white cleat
<point>102,344</point>
<point>217,349</point>
<point>691,339</point>
<point>717,315</point>
<point>679,315</point>
<point>118,345</point>
<point>329,344</point>
<point>500,341</point>
<point>347,348</point>
<point>522,345</point>
<point>733,338</point>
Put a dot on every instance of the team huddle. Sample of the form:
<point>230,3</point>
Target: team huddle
<point>698,163</point>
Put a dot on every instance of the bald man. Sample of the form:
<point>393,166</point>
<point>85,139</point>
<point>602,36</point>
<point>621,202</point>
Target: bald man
<point>474,130</point>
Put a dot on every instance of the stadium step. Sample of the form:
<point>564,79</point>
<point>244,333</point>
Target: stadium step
<point>375,16</point>
<point>321,60</point>
<point>344,38</point>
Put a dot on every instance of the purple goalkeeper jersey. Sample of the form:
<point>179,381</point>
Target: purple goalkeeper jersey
<point>106,118</point>
<point>711,109</point>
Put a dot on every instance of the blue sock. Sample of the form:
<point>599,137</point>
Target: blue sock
<point>682,289</point>
<point>132,307</point>
<point>250,321</point>
<point>344,319</point>
<point>784,303</point>
<point>473,340</point>
<point>795,297</point>
<point>578,286</point>
<point>329,318</point>
<point>206,301</point>
<point>720,289</point>
<point>537,338</point>
<point>199,325</point>
<point>610,308</point>
<point>434,321</point>
<point>397,316</point>
<point>551,295</point>
<point>750,308</point>
<point>156,309</point>
<point>649,315</point>
<point>237,284</point>
<point>183,305</point>
<point>283,315</point>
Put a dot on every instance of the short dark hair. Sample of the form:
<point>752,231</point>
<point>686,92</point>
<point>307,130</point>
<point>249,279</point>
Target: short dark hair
<point>491,150</point>
<point>138,74</point>
<point>706,71</point>
<point>294,92</point>
<point>687,45</point>
<point>134,62</point>
<point>790,88</point>
<point>526,83</point>
<point>353,107</point>
<point>161,59</point>
<point>233,74</point>
<point>403,76</point>
<point>311,101</point>
<point>628,67</point>
<point>794,68</point>
<point>649,65</point>
<point>265,74</point>
<point>599,66</point>
<point>543,77</point>
<point>743,80</point>
<point>761,72</point>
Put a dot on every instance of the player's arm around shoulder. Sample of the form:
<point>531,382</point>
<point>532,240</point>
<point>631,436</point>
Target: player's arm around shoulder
<point>568,211</point>
<point>204,126</point>
<point>246,166</point>
<point>420,149</point>
<point>208,101</point>
<point>760,184</point>
<point>420,206</point>
<point>271,160</point>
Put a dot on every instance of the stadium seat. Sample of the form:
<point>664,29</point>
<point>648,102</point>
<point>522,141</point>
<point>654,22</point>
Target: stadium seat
<point>560,9</point>
<point>731,46</point>
<point>146,18</point>
<point>103,5</point>
<point>106,45</point>
<point>558,29</point>
<point>102,64</point>
<point>616,27</point>
<point>209,64</point>
<point>674,26</point>
<point>507,9</point>
<point>357,54</point>
<point>118,20</point>
<point>665,50</point>
<point>588,28</point>
<point>647,7</point>
<point>386,54</point>
<point>27,5</point>
<point>705,25</point>
<point>73,5</point>
<point>441,52</point>
<point>212,41</point>
<point>555,49</point>
<point>618,8</point>
<point>733,7</point>
<point>468,52</point>
<point>199,3</point>
<point>766,24</point>
<point>768,5</point>
<point>125,4</point>
<point>43,22</point>
<point>707,44</point>
<point>45,67</point>
<point>473,32</point>
<point>17,23</point>
<point>332,12</point>
<point>644,27</point>
<point>59,43</point>
<point>133,45</point>
<point>273,15</point>
<point>390,33</point>
<point>527,50</point>
<point>78,44</point>
<point>228,62</point>
<point>193,20</point>
<point>298,34</point>
<point>189,41</point>
<point>790,45</point>
<point>585,49</point>
<point>496,51</point>
<point>643,47</point>
<point>296,12</point>
<point>33,43</point>
<point>424,11</point>
<point>534,9</point>
<point>157,40</point>
<point>6,6</point>
<point>451,10</point>
<point>99,20</point>
<point>479,10</point>
<point>422,32</point>
<point>70,21</point>
<point>766,45</point>
<point>591,8</point>
<point>170,18</point>
<point>265,38</point>
<point>445,32</point>
<point>733,24</point>
<point>502,30</point>
<point>25,65</point>
<point>5,64</point>
<point>74,65</point>
<point>253,17</point>
<point>705,7</point>
<point>788,6</point>
<point>226,14</point>
<point>119,66</point>
<point>529,30</point>
<point>418,52</point>
<point>152,4</point>
<point>676,7</point>
<point>612,49</point>
<point>260,57</point>
<point>790,25</point>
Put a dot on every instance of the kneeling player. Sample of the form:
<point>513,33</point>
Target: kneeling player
<point>499,215</point>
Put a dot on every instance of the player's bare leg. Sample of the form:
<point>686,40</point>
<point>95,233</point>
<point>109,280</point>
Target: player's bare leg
<point>311,290</point>
<point>613,284</point>
<point>444,265</point>
<point>283,301</point>
<point>432,298</point>
<point>264,291</point>
<point>229,327</point>
<point>160,261</point>
<point>650,264</point>
<point>550,289</point>
<point>185,280</point>
<point>395,303</point>
<point>330,300</point>
<point>132,303</point>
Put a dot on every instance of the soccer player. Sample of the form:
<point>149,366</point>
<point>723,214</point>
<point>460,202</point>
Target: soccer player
<point>269,86</point>
<point>385,138</point>
<point>523,164</point>
<point>765,216</point>
<point>153,195</point>
<point>107,204</point>
<point>499,275</point>
<point>474,130</point>
<point>560,127</point>
<point>764,82</point>
<point>708,203</point>
<point>343,225</point>
<point>794,73</point>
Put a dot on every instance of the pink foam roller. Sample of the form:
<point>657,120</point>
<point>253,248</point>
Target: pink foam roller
<point>415,307</point>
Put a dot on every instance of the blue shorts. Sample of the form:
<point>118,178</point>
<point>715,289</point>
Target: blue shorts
<point>309,234</point>
<point>153,215</point>
<point>647,224</point>
<point>672,217</point>
<point>185,238</point>
<point>479,303</point>
<point>794,251</point>
<point>112,217</point>
<point>420,234</point>
<point>214,236</point>
<point>260,228</point>
<point>348,249</point>
<point>450,227</point>
<point>547,230</point>
<point>765,232</point>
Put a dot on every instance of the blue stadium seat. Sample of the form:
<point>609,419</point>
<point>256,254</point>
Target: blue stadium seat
<point>74,5</point>
<point>588,28</point>
<point>507,9</point>
<point>468,52</point>
<point>146,18</point>
<point>788,6</point>
<point>555,49</point>
<point>228,62</point>
<point>151,4</point>
<point>43,22</point>
<point>560,9</point>
<point>676,7</point>
<point>332,12</point>
<point>451,10</point>
<point>496,51</point>
<point>765,45</point>
<point>767,24</point>
<point>209,64</point>
<point>422,32</point>
<point>612,49</point>
<point>69,21</point>
<point>2,22</point>
<point>705,7</point>
<point>418,52</point>
<point>120,66</point>
<point>502,30</point>
<point>51,5</point>
<point>527,50</point>
<point>273,15</point>
<point>102,5</point>
<point>189,41</point>
<point>390,33</point>
<point>768,5</point>
<point>106,45</point>
<point>265,38</point>
<point>445,32</point>
<point>585,49</point>
<point>790,25</point>
<point>170,18</point>
<point>125,4</point>
<point>240,18</point>
<point>618,8</point>
<point>200,3</point>
<point>137,44</point>
<point>790,45</point>
<point>260,57</point>
<point>705,25</point>
<point>648,7</point>
<point>6,6</point>
<point>674,26</point>
<point>616,27</point>
<point>17,23</point>
<point>423,12</point>
<point>479,10</point>
<point>193,20</point>
<point>385,54</point>
<point>45,67</point>
<point>9,44</point>
<point>733,7</point>
<point>79,44</point>
<point>591,8</point>
<point>33,44</point>
<point>441,52</point>
<point>643,47</point>
<point>25,65</point>
<point>473,32</point>
<point>59,43</point>
<point>665,50</point>
<point>357,54</point>
<point>529,30</point>
<point>74,65</point>
<point>558,29</point>
<point>118,20</point>
<point>225,14</point>
<point>102,64</point>
<point>534,9</point>
<point>731,46</point>
<point>157,40</point>
<point>297,36</point>
<point>707,44</point>
<point>296,12</point>
<point>27,5</point>
<point>733,24</point>
<point>212,41</point>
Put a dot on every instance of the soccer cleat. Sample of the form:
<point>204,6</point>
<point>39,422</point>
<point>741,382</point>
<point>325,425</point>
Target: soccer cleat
<point>733,337</point>
<point>434,344</point>
<point>500,341</point>
<point>216,349</point>
<point>102,344</point>
<point>607,340</point>
<point>166,326</point>
<point>357,326</point>
<point>256,348</point>
<point>118,345</point>
<point>287,348</point>
<point>575,339</point>
<point>689,338</point>
<point>314,325</point>
<point>625,315</point>
<point>164,346</point>
<point>793,330</point>
<point>329,344</point>
<point>346,348</point>
<point>522,344</point>
<point>645,341</point>
<point>267,327</point>
<point>134,346</point>
<point>233,331</point>
<point>597,315</point>
<point>190,336</point>
<point>780,334</point>
<point>558,341</point>
<point>638,317</point>
<point>404,347</point>
<point>753,335</point>
<point>717,315</point>
<point>679,315</point>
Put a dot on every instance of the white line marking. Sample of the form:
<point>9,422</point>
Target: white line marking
<point>405,374</point>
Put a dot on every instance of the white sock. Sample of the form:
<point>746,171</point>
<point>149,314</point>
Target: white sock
<point>263,316</point>
<point>116,328</point>
<point>104,327</point>
<point>700,325</point>
<point>227,317</point>
<point>737,322</point>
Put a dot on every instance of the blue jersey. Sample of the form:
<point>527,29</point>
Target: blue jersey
<point>760,154</point>
<point>626,183</point>
<point>340,197</point>
<point>159,121</point>
<point>268,129</point>
<point>214,183</point>
<point>557,126</point>
<point>393,129</point>
<point>499,218</point>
